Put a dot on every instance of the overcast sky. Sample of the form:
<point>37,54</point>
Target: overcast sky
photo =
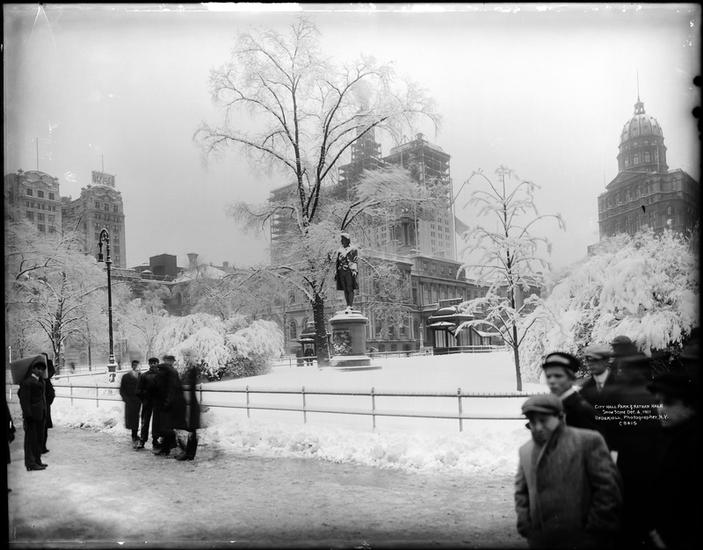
<point>543,90</point>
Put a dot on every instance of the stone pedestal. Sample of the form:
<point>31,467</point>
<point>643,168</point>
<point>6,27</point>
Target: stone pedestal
<point>349,339</point>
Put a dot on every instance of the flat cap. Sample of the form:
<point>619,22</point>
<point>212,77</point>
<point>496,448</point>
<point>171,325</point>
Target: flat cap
<point>543,403</point>
<point>598,351</point>
<point>169,358</point>
<point>561,359</point>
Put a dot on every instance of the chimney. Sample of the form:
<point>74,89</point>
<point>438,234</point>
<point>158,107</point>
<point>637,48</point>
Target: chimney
<point>192,260</point>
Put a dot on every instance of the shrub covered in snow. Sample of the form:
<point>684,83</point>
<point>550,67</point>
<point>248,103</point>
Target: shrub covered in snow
<point>643,286</point>
<point>252,348</point>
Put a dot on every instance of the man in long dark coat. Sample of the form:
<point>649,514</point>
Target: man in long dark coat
<point>132,403</point>
<point>147,391</point>
<point>595,388</point>
<point>560,371</point>
<point>171,405</point>
<point>32,397</point>
<point>634,436</point>
<point>50,396</point>
<point>677,485</point>
<point>192,414</point>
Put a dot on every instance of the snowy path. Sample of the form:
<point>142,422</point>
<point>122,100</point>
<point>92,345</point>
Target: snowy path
<point>98,490</point>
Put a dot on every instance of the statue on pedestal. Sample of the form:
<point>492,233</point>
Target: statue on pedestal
<point>347,269</point>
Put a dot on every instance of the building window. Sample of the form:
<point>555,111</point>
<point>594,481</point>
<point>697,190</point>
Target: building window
<point>30,215</point>
<point>40,217</point>
<point>41,227</point>
<point>40,194</point>
<point>97,204</point>
<point>29,192</point>
<point>52,219</point>
<point>51,196</point>
<point>52,229</point>
<point>636,158</point>
<point>114,208</point>
<point>647,157</point>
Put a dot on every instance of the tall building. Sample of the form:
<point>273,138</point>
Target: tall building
<point>645,192</point>
<point>99,206</point>
<point>420,244</point>
<point>33,196</point>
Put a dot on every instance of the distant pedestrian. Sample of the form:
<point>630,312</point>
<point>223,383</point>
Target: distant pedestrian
<point>567,490</point>
<point>147,391</point>
<point>170,405</point>
<point>50,396</point>
<point>132,403</point>
<point>677,483</point>
<point>192,415</point>
<point>560,371</point>
<point>32,396</point>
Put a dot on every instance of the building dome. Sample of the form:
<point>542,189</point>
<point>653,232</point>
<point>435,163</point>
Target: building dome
<point>641,124</point>
<point>642,144</point>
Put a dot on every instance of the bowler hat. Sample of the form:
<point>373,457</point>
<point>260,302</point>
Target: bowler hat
<point>623,346</point>
<point>561,359</point>
<point>597,351</point>
<point>169,358</point>
<point>674,385</point>
<point>153,360</point>
<point>543,403</point>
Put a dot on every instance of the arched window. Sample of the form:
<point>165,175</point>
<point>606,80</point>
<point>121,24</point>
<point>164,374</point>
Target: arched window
<point>292,329</point>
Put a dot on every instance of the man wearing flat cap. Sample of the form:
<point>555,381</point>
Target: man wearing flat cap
<point>567,490</point>
<point>677,483</point>
<point>560,372</point>
<point>596,357</point>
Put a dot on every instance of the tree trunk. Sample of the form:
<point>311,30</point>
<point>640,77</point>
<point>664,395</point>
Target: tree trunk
<point>516,355</point>
<point>318,313</point>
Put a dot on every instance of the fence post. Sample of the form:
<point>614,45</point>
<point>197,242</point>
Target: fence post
<point>247,390</point>
<point>461,421</point>
<point>305,414</point>
<point>71,388</point>
<point>373,407</point>
<point>201,392</point>
<point>97,399</point>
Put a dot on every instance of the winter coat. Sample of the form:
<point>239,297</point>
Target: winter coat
<point>602,400</point>
<point>579,413</point>
<point>193,407</point>
<point>677,487</point>
<point>170,402</point>
<point>132,404</point>
<point>567,492</point>
<point>147,386</point>
<point>32,397</point>
<point>50,394</point>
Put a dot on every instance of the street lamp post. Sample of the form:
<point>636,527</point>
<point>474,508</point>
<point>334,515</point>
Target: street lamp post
<point>105,237</point>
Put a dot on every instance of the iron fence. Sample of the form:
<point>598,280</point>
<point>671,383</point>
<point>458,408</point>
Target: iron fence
<point>111,393</point>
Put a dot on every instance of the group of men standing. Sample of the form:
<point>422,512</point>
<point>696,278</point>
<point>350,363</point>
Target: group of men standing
<point>156,398</point>
<point>611,462</point>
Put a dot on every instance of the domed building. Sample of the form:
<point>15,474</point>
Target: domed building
<point>645,193</point>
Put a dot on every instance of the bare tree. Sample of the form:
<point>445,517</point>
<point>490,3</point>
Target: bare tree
<point>509,261</point>
<point>307,112</point>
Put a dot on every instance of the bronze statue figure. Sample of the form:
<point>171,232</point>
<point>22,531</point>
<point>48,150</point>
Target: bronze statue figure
<point>347,269</point>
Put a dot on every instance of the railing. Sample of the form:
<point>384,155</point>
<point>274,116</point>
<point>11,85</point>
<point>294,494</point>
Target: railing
<point>373,411</point>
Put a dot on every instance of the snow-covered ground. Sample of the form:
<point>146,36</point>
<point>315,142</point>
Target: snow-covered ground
<point>416,444</point>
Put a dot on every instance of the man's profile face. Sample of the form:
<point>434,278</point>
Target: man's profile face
<point>541,426</point>
<point>558,380</point>
<point>596,365</point>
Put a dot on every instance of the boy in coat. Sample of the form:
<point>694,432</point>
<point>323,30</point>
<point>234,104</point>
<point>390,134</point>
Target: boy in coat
<point>567,490</point>
<point>560,371</point>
